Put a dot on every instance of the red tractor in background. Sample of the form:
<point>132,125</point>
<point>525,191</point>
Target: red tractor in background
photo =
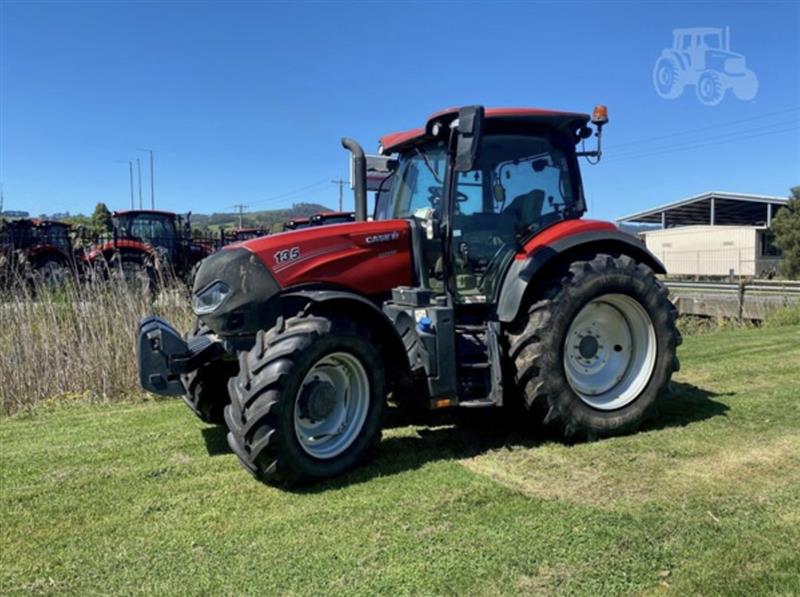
<point>238,235</point>
<point>320,219</point>
<point>38,251</point>
<point>477,285</point>
<point>146,245</point>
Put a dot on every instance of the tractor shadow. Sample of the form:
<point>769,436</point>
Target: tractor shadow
<point>216,440</point>
<point>460,434</point>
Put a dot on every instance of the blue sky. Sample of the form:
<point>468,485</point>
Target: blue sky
<point>246,102</point>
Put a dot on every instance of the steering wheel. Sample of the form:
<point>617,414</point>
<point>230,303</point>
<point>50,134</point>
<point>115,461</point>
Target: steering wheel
<point>437,194</point>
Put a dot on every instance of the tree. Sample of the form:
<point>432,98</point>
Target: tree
<point>786,226</point>
<point>101,218</point>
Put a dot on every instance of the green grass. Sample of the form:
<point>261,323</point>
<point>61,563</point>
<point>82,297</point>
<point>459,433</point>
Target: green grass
<point>142,498</point>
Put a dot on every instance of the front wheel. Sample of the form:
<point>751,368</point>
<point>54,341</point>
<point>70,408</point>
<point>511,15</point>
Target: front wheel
<point>596,347</point>
<point>308,401</point>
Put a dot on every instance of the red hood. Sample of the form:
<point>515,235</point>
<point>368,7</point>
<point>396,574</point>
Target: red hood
<point>367,257</point>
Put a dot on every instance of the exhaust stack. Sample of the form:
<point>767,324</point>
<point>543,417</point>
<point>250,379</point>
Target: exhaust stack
<point>358,175</point>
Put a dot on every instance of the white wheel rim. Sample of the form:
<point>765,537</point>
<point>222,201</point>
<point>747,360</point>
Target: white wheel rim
<point>610,351</point>
<point>325,430</point>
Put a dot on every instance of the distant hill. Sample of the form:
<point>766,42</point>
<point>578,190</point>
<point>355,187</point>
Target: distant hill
<point>271,219</point>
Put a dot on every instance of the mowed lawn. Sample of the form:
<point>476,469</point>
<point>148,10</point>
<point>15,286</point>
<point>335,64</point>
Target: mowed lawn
<point>142,498</point>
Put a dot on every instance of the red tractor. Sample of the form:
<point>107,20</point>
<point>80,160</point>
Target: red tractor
<point>238,235</point>
<point>320,219</point>
<point>479,286</point>
<point>144,243</point>
<point>38,251</point>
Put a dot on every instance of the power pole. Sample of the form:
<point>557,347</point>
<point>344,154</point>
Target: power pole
<point>130,169</point>
<point>152,179</point>
<point>241,207</point>
<point>139,174</point>
<point>340,182</point>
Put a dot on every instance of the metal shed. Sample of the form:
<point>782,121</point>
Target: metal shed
<point>712,234</point>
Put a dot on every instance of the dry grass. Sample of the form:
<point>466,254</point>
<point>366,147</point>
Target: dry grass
<point>76,342</point>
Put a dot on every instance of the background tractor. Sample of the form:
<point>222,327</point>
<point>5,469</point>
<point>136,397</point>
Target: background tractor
<point>238,235</point>
<point>701,56</point>
<point>320,219</point>
<point>479,285</point>
<point>39,251</point>
<point>146,245</point>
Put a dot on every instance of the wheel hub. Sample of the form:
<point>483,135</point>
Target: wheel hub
<point>588,346</point>
<point>609,351</point>
<point>331,405</point>
<point>317,400</point>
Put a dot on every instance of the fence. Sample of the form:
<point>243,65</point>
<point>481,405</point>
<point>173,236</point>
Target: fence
<point>753,300</point>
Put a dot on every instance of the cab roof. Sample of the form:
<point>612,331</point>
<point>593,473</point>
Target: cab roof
<point>395,142</point>
<point>157,212</point>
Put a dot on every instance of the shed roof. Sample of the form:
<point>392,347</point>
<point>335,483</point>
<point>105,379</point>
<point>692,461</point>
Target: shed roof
<point>729,209</point>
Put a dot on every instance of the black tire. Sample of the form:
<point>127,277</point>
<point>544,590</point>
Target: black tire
<point>260,417</point>
<point>207,387</point>
<point>536,344</point>
<point>135,271</point>
<point>50,272</point>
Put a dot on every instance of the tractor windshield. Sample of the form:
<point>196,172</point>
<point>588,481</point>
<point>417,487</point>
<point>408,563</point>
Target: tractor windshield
<point>154,229</point>
<point>55,235</point>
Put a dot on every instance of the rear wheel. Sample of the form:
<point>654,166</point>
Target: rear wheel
<point>50,273</point>
<point>308,400</point>
<point>134,271</point>
<point>596,347</point>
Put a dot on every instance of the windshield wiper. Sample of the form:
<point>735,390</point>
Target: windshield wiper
<point>428,164</point>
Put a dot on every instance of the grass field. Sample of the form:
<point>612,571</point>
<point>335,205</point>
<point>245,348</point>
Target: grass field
<point>132,498</point>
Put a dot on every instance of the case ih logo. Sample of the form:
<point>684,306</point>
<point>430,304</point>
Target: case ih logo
<point>702,56</point>
<point>382,238</point>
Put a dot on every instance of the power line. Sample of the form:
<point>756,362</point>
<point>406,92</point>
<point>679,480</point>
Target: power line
<point>152,181</point>
<point>290,193</point>
<point>704,128</point>
<point>691,143</point>
<point>139,174</point>
<point>241,207</point>
<point>699,145</point>
<point>340,182</point>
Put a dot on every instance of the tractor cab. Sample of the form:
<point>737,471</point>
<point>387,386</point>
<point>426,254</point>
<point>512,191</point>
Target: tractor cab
<point>524,179</point>
<point>155,228</point>
<point>54,234</point>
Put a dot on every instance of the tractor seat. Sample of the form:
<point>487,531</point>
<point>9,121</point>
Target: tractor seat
<point>526,210</point>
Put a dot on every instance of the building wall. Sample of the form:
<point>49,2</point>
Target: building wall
<point>706,250</point>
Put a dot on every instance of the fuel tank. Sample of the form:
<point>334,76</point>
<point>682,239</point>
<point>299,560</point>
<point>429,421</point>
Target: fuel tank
<point>365,257</point>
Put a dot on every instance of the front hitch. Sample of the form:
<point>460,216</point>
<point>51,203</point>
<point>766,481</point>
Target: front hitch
<point>164,356</point>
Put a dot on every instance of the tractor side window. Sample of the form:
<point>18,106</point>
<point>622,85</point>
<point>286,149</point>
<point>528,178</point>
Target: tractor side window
<point>687,42</point>
<point>535,190</point>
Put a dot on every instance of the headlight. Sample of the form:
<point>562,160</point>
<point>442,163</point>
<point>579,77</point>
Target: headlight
<point>210,298</point>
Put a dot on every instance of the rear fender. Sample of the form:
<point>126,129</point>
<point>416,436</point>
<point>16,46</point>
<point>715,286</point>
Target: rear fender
<point>524,274</point>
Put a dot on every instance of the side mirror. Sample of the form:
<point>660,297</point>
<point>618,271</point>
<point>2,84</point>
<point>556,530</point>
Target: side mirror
<point>470,125</point>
